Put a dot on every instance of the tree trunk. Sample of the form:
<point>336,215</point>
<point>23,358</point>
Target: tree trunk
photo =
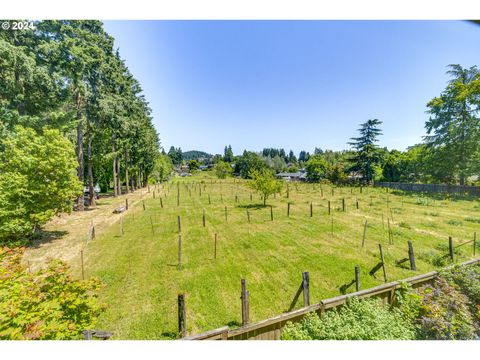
<point>114,172</point>
<point>91,192</point>
<point>80,169</point>
<point>119,178</point>
<point>127,182</point>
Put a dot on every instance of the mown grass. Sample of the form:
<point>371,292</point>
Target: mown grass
<point>140,272</point>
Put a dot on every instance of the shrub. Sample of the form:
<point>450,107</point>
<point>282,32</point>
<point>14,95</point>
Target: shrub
<point>454,222</point>
<point>37,181</point>
<point>467,280</point>
<point>48,304</point>
<point>444,313</point>
<point>365,319</point>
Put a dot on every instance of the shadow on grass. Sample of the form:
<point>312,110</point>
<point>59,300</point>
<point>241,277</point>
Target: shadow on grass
<point>42,237</point>
<point>233,324</point>
<point>170,335</point>
<point>343,289</point>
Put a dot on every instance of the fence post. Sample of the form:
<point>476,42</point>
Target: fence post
<point>288,209</point>
<point>357,204</point>
<point>226,216</point>
<point>203,218</point>
<point>92,234</point>
<point>248,215</point>
<point>179,266</point>
<point>343,204</point>
<point>161,202</point>
<point>179,224</point>
<point>126,204</point>
<point>383,263</point>
<point>143,205</point>
<point>245,305</point>
<point>328,207</point>
<point>311,209</point>
<point>357,278</point>
<point>411,256</point>
<point>364,233</point>
<point>154,194</point>
<point>209,201</point>
<point>450,247</point>
<point>178,194</point>
<point>215,250</point>
<point>271,212</point>
<point>306,288</point>
<point>474,242</point>
<point>182,328</point>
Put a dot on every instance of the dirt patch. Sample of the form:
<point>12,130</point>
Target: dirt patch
<point>64,236</point>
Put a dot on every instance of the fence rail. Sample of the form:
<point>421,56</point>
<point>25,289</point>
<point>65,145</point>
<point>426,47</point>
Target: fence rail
<point>431,188</point>
<point>270,329</point>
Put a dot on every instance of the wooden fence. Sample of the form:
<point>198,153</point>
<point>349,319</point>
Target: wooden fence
<point>431,188</point>
<point>270,329</point>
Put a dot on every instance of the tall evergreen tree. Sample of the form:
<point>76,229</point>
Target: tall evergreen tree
<point>367,154</point>
<point>454,125</point>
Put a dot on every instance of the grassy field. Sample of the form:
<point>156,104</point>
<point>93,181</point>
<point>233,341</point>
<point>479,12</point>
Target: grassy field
<point>140,272</point>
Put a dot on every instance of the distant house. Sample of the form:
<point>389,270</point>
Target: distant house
<point>296,176</point>
<point>203,167</point>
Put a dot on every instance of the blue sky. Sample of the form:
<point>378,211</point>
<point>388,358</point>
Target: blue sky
<point>291,84</point>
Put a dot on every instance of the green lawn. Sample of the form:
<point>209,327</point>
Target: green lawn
<point>140,273</point>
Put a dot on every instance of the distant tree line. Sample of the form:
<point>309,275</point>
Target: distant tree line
<point>449,153</point>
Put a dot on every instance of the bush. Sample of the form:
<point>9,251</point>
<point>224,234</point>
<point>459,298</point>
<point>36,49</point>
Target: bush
<point>467,280</point>
<point>37,181</point>
<point>444,313</point>
<point>365,319</point>
<point>47,304</point>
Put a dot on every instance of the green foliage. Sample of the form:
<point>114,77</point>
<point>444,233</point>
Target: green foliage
<point>317,168</point>
<point>228,154</point>
<point>248,162</point>
<point>337,175</point>
<point>175,155</point>
<point>367,153</point>
<point>163,168</point>
<point>453,133</point>
<point>365,319</point>
<point>44,305</point>
<point>265,183</point>
<point>444,313</point>
<point>193,165</point>
<point>37,180</point>
<point>222,169</point>
<point>467,280</point>
<point>196,155</point>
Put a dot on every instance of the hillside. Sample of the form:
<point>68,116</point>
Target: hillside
<point>195,155</point>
